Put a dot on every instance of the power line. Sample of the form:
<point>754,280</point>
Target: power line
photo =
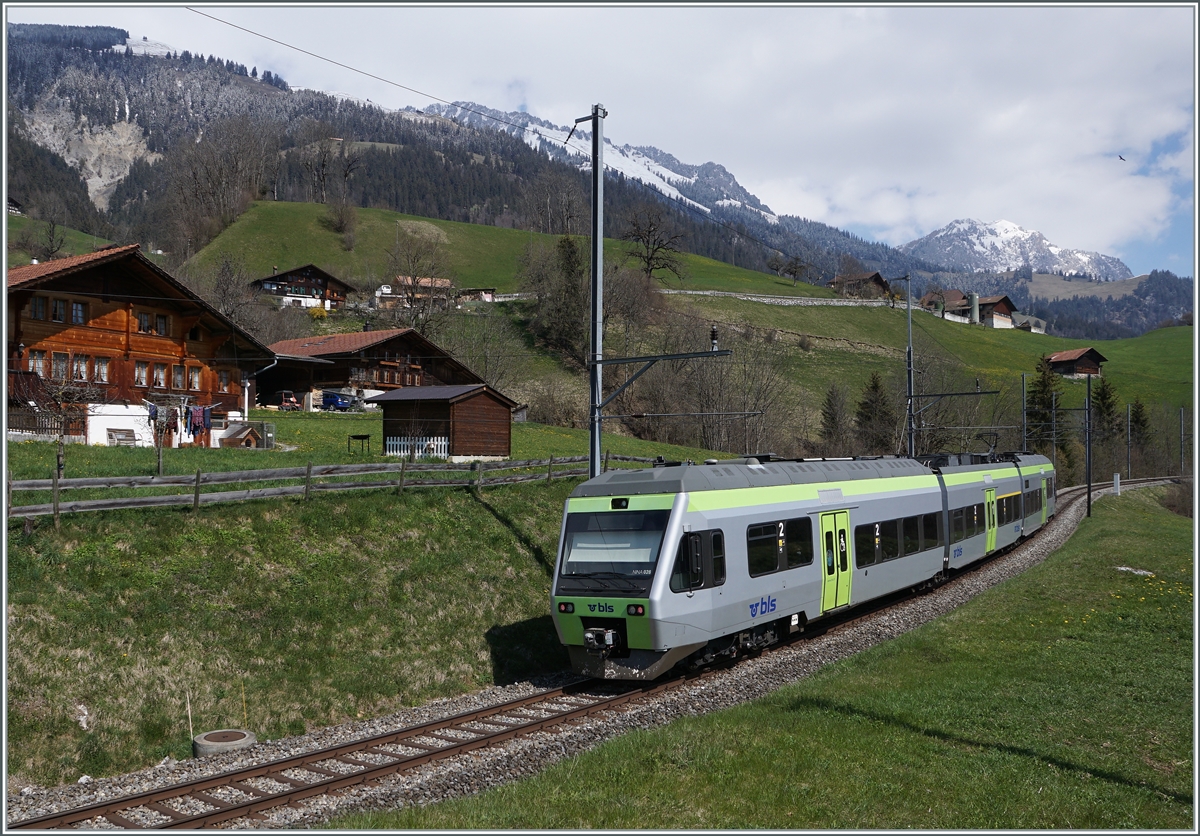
<point>525,129</point>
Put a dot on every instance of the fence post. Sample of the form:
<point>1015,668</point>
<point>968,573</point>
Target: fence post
<point>403,465</point>
<point>550,469</point>
<point>607,453</point>
<point>308,479</point>
<point>196,495</point>
<point>479,481</point>
<point>474,481</point>
<point>54,475</point>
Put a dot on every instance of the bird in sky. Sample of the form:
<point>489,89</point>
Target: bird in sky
<point>1119,157</point>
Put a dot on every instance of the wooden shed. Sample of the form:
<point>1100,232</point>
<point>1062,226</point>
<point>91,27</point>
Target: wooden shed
<point>1078,362</point>
<point>451,422</point>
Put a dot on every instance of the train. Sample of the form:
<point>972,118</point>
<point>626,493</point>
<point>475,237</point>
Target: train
<point>684,564</point>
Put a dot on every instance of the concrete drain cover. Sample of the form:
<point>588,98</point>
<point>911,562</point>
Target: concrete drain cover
<point>222,740</point>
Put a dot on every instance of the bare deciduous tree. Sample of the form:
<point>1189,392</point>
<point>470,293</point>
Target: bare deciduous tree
<point>654,241</point>
<point>420,263</point>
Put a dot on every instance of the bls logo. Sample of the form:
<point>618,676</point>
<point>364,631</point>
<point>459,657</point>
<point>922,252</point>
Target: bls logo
<point>764,606</point>
<point>958,552</point>
<point>600,607</point>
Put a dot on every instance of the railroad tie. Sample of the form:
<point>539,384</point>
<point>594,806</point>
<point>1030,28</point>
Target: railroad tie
<point>210,800</point>
<point>121,821</point>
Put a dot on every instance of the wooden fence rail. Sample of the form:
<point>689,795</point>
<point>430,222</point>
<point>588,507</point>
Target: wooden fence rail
<point>193,496</point>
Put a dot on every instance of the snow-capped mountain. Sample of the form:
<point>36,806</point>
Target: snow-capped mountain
<point>975,246</point>
<point>705,187</point>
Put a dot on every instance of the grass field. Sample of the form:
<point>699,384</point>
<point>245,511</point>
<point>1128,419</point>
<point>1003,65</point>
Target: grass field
<point>287,235</point>
<point>276,615</point>
<point>1060,699</point>
<point>74,241</point>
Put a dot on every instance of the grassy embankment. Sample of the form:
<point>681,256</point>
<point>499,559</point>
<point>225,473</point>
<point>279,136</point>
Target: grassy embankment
<point>287,235</point>
<point>1060,699</point>
<point>74,241</point>
<point>276,615</point>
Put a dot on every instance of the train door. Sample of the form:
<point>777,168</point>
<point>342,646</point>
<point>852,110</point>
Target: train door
<point>989,515</point>
<point>835,550</point>
<point>1044,509</point>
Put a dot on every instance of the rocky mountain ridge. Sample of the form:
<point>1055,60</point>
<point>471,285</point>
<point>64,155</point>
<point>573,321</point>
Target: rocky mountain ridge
<point>975,247</point>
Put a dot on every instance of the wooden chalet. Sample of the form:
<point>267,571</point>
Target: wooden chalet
<point>862,285</point>
<point>989,311</point>
<point>305,287</point>
<point>362,363</point>
<point>113,333</point>
<point>450,422</point>
<point>1078,362</point>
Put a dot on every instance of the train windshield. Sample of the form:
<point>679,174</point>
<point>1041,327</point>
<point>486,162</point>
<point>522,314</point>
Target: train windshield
<point>623,544</point>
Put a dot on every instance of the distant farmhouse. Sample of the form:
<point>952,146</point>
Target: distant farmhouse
<point>409,292</point>
<point>861,285</point>
<point>973,309</point>
<point>1078,362</point>
<point>305,287</point>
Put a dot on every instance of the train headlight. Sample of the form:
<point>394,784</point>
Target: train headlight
<point>635,609</point>
<point>566,606</point>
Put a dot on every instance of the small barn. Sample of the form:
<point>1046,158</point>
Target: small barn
<point>862,285</point>
<point>1078,362</point>
<point>458,423</point>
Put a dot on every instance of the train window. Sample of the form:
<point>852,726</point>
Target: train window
<point>931,531</point>
<point>889,543</point>
<point>912,535</point>
<point>763,545</point>
<point>830,568</point>
<point>980,524</point>
<point>957,532</point>
<point>798,534</point>
<point>865,541</point>
<point>718,558</point>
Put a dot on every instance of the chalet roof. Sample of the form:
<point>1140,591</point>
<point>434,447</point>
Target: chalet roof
<point>32,275</point>
<point>450,394</point>
<point>348,343</point>
<point>58,267</point>
<point>335,345</point>
<point>1075,354</point>
<point>421,281</point>
<point>996,300</point>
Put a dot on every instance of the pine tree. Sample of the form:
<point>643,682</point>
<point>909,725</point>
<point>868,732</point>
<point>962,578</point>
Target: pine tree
<point>1139,424</point>
<point>1104,410</point>
<point>1045,416</point>
<point>835,421</point>
<point>876,419</point>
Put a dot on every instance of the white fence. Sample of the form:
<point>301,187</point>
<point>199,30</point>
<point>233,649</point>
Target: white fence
<point>436,446</point>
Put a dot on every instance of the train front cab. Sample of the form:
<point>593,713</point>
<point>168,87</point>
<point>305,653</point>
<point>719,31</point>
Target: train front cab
<point>612,551</point>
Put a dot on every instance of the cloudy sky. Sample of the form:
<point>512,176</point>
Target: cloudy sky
<point>889,122</point>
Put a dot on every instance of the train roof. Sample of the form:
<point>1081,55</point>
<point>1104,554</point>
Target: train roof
<point>752,473</point>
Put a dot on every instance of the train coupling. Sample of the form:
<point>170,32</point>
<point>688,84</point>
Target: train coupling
<point>601,640</point>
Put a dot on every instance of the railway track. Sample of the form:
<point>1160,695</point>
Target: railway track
<point>245,793</point>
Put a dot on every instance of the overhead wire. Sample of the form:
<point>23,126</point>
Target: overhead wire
<point>684,204</point>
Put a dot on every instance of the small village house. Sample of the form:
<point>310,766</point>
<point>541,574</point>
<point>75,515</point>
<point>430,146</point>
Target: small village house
<point>409,292</point>
<point>1077,363</point>
<point>305,287</point>
<point>104,341</point>
<point>459,423</point>
<point>861,285</point>
<point>362,364</point>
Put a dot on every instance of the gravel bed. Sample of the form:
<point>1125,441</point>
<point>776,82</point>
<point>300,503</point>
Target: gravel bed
<point>484,768</point>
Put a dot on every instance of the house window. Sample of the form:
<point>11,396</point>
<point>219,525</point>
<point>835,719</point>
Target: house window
<point>162,325</point>
<point>160,375</point>
<point>100,372</point>
<point>140,369</point>
<point>194,334</point>
<point>58,365</point>
<point>177,377</point>
<point>223,379</point>
<point>58,310</point>
<point>37,307</point>
<point>144,321</point>
<point>37,362</point>
<point>78,313</point>
<point>194,377</point>
<point>79,365</point>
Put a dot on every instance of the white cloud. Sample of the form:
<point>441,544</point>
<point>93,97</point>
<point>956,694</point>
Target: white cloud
<point>891,119</point>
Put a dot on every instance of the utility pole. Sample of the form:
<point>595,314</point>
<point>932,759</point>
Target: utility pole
<point>1024,413</point>
<point>597,354</point>
<point>1053,431</point>
<point>1087,449</point>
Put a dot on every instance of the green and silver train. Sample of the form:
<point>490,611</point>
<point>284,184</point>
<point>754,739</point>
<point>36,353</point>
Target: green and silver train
<point>682,564</point>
